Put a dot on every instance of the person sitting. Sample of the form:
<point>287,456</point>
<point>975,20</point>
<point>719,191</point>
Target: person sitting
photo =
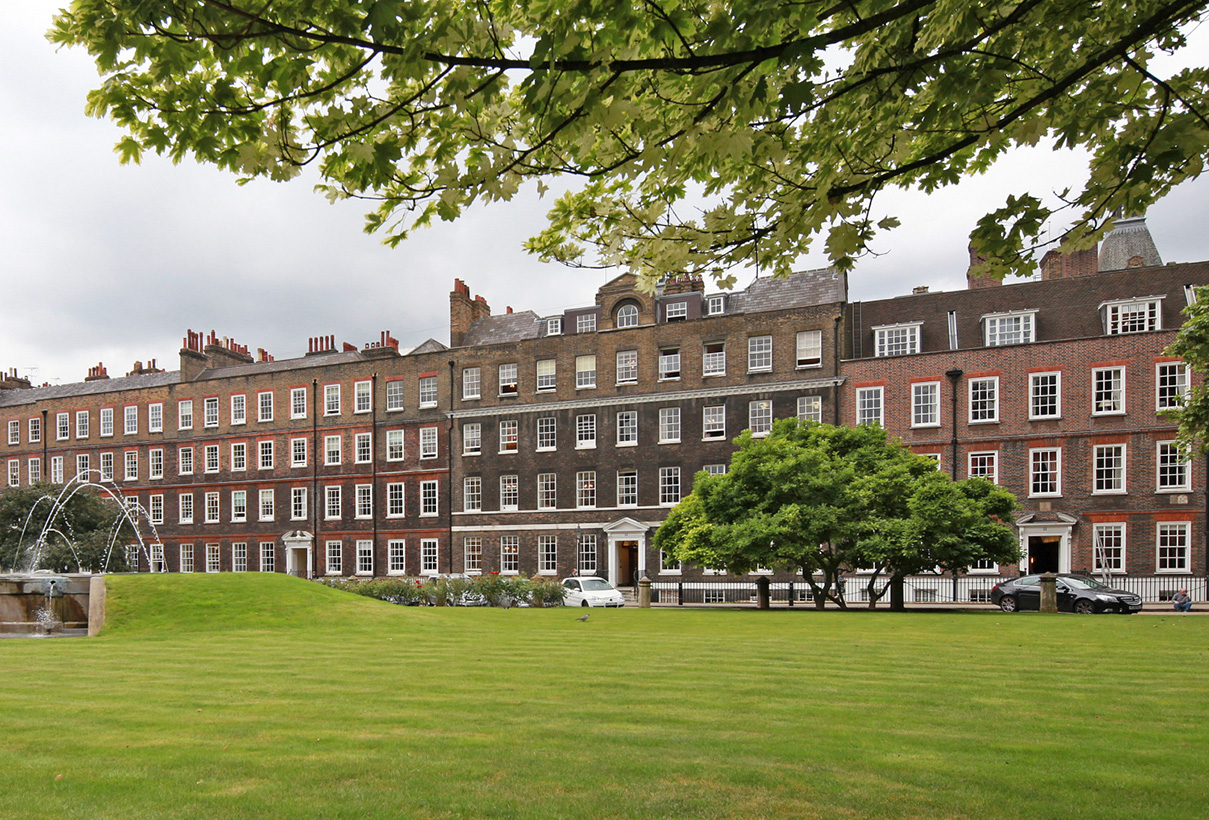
<point>1182,602</point>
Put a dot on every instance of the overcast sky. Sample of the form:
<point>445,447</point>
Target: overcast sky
<point>101,262</point>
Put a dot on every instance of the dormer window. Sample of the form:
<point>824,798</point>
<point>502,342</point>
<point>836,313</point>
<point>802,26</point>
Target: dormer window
<point>675,311</point>
<point>896,340</point>
<point>1132,315</point>
<point>554,327</point>
<point>1014,328</point>
<point>627,316</point>
<point>715,305</point>
<point>585,323</point>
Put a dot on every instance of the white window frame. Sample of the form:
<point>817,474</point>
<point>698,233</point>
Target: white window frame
<point>675,311</point>
<point>363,396</point>
<point>1122,316</point>
<point>430,556</point>
<point>429,392</point>
<point>396,446</point>
<point>396,499</point>
<point>759,417</point>
<point>990,457</point>
<point>210,412</point>
<point>267,504</point>
<point>298,503</point>
<point>363,448</point>
<point>396,556</point>
<point>585,372</point>
<point>331,399</point>
<point>925,404</point>
<point>713,423</point>
<point>808,347</point>
<point>1115,531</point>
<point>669,364</point>
<point>1169,455</point>
<point>430,499</point>
<point>1164,531</point>
<point>669,425</point>
<point>184,415</point>
<point>627,488</point>
<point>508,379</point>
<point>333,502</point>
<point>547,491</point>
<point>627,366</point>
<point>429,443</point>
<point>510,555</point>
<point>509,492</point>
<point>627,316</point>
<point>810,408</point>
<point>585,490</point>
<point>1109,462</point>
<point>1035,394</point>
<point>472,493</point>
<point>585,431</point>
<point>1169,393</point>
<point>239,408</point>
<point>627,428</point>
<point>1011,328</point>
<point>547,434</point>
<point>713,359</point>
<point>900,339</point>
<point>759,354</point>
<point>870,405</point>
<point>265,410</point>
<point>472,383</point>
<point>395,396</point>
<point>547,555</point>
<point>547,375</point>
<point>298,402</point>
<point>1033,455</point>
<point>1107,407</point>
<point>472,554</point>
<point>984,410</point>
<point>509,433</point>
<point>472,438</point>
<point>585,323</point>
<point>669,485</point>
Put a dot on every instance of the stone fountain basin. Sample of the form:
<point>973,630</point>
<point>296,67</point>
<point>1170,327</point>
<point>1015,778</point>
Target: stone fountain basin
<point>21,596</point>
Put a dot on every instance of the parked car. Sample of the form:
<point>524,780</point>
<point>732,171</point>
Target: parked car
<point>590,590</point>
<point>1076,593</point>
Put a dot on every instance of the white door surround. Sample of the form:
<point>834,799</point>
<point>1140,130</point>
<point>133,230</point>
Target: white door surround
<point>299,550</point>
<point>621,530</point>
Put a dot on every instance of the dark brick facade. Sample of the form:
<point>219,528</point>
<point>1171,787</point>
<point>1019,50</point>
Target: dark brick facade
<point>607,388</point>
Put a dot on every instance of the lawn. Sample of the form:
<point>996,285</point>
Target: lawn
<point>263,696</point>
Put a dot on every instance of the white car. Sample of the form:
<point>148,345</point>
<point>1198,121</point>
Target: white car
<point>590,590</point>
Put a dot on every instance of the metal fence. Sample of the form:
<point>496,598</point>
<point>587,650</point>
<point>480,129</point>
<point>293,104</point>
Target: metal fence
<point>919,589</point>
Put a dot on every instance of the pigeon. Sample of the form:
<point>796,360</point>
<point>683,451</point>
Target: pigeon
<point>585,617</point>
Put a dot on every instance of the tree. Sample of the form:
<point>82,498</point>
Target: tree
<point>1192,345</point>
<point>78,537</point>
<point>824,499</point>
<point>698,135</point>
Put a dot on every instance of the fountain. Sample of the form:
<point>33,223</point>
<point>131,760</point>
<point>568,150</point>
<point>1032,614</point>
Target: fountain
<point>36,602</point>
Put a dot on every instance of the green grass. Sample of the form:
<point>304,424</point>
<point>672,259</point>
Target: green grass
<point>262,696</point>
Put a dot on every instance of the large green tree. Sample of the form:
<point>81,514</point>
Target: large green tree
<point>78,537</point>
<point>822,500</point>
<point>697,135</point>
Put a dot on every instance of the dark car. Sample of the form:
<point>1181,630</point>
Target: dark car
<point>1076,593</point>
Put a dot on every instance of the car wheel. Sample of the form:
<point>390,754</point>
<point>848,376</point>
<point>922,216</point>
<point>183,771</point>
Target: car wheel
<point>1008,603</point>
<point>584,603</point>
<point>1085,607</point>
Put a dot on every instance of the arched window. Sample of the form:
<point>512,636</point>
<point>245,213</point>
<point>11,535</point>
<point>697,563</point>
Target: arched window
<point>627,316</point>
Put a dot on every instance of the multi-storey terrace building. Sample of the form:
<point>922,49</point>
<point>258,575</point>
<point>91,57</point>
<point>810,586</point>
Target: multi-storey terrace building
<point>1055,389</point>
<point>334,462</point>
<point>556,444</point>
<point>575,434</point>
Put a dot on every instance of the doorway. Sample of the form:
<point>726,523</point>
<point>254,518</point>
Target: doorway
<point>627,563</point>
<point>1043,553</point>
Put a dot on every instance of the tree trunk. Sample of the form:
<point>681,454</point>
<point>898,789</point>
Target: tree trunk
<point>898,587</point>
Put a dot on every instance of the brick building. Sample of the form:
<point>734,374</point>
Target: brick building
<point>1054,389</point>
<point>552,444</point>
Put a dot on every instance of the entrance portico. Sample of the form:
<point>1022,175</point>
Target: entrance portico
<point>1045,542</point>
<point>299,547</point>
<point>627,551</point>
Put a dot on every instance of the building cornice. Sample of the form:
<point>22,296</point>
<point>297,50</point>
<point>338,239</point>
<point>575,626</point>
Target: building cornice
<point>647,398</point>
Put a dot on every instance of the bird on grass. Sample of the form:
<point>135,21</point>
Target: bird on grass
<point>585,617</point>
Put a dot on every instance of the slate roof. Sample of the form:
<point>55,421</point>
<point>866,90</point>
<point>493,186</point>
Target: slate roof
<point>802,289</point>
<point>507,327</point>
<point>19,396</point>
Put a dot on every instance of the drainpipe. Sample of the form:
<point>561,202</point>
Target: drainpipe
<point>835,392</point>
<point>954,376</point>
<point>449,470</point>
<point>315,500</point>
<point>45,436</point>
<point>373,460</point>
